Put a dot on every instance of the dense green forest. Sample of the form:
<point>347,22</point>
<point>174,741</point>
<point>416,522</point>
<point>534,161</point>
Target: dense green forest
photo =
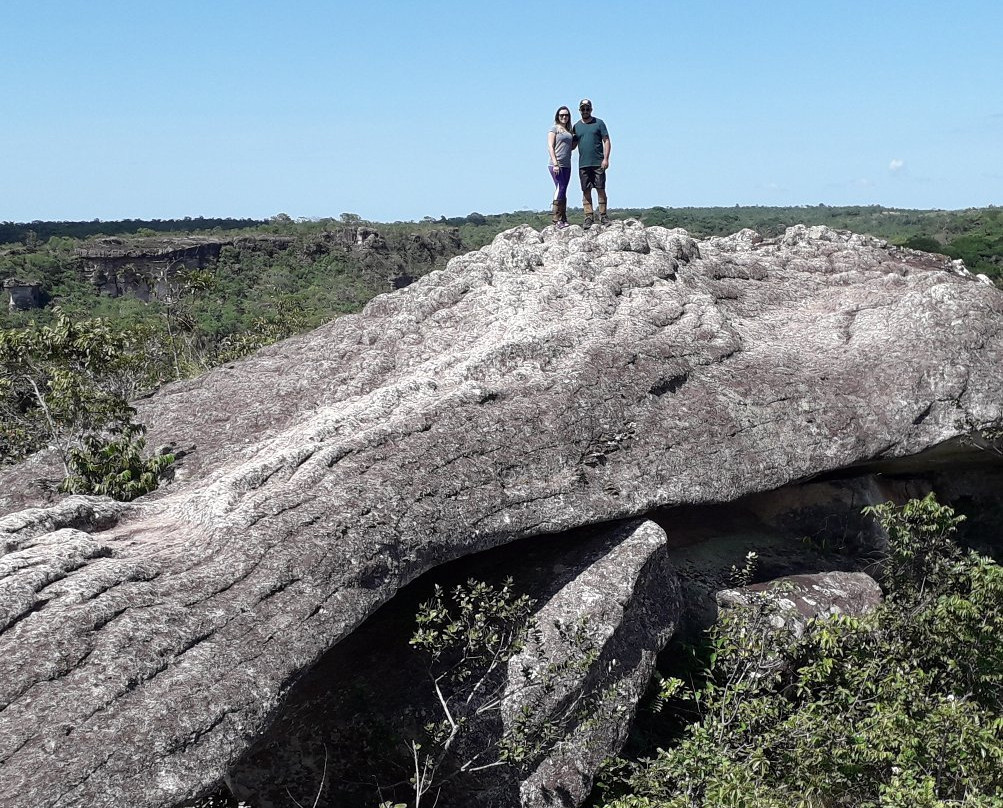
<point>33,233</point>
<point>974,235</point>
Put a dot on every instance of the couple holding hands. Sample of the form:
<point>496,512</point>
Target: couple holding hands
<point>590,137</point>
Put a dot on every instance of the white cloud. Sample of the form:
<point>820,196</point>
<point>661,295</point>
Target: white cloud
<point>896,165</point>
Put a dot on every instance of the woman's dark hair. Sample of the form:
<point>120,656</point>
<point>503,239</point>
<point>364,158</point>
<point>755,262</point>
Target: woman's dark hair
<point>557,117</point>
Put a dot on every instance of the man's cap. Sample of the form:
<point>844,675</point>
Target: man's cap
<point>585,102</point>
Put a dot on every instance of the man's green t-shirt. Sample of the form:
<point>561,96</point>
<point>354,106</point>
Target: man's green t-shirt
<point>590,137</point>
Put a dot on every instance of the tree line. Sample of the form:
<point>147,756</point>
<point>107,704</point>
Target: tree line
<point>41,231</point>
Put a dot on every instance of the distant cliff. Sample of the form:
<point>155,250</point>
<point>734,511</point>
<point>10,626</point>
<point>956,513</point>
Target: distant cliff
<point>143,267</point>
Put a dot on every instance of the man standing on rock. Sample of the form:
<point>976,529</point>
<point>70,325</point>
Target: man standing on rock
<point>593,160</point>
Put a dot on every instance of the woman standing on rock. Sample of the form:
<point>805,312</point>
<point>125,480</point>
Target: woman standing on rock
<point>560,142</point>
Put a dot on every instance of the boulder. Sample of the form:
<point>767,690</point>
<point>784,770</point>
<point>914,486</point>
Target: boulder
<point>546,382</point>
<point>798,599</point>
<point>777,613</point>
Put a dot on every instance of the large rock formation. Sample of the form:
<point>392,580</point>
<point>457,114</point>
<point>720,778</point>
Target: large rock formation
<point>545,382</point>
<point>146,267</point>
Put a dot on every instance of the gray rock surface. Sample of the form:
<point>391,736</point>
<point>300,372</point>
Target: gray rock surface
<point>800,598</point>
<point>630,598</point>
<point>545,382</point>
<point>782,609</point>
<point>615,578</point>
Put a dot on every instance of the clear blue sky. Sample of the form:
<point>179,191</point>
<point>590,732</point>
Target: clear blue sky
<point>398,110</point>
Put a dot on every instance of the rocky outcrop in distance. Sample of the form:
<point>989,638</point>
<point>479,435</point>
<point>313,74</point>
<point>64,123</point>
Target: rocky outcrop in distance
<point>22,295</point>
<point>146,267</point>
<point>543,384</point>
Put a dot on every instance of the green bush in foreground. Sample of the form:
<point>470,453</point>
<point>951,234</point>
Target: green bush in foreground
<point>67,385</point>
<point>64,381</point>
<point>114,466</point>
<point>899,708</point>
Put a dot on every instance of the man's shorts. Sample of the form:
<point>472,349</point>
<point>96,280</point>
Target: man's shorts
<point>592,177</point>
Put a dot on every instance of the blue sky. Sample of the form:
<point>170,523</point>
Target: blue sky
<point>399,110</point>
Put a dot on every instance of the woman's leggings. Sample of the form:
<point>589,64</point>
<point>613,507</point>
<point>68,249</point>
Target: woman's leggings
<point>561,175</point>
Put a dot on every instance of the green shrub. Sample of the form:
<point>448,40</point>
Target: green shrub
<point>61,382</point>
<point>468,637</point>
<point>114,466</point>
<point>900,707</point>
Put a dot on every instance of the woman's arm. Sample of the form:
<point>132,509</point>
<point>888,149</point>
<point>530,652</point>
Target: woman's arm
<point>551,141</point>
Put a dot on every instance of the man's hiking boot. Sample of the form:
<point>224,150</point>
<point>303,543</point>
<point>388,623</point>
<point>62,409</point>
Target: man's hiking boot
<point>604,219</point>
<point>589,221</point>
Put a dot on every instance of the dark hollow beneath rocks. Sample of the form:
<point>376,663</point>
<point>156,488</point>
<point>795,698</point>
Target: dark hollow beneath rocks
<point>358,708</point>
<point>384,696</point>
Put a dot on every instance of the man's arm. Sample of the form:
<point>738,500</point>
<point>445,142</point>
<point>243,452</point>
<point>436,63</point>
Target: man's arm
<point>607,147</point>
